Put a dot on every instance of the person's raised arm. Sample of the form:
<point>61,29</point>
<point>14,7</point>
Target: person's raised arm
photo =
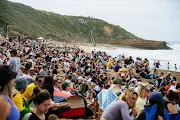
<point>125,113</point>
<point>172,109</point>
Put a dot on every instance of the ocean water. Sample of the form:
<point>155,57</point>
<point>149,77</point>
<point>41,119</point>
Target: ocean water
<point>164,56</point>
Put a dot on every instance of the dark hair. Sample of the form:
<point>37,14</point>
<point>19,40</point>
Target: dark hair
<point>39,76</point>
<point>36,90</point>
<point>160,107</point>
<point>6,74</point>
<point>162,90</point>
<point>172,96</point>
<point>168,82</point>
<point>54,71</point>
<point>48,80</point>
<point>49,85</point>
<point>174,78</point>
<point>14,52</point>
<point>41,97</point>
<point>177,85</point>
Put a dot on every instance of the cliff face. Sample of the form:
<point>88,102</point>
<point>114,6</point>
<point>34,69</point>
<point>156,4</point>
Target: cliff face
<point>21,19</point>
<point>144,44</point>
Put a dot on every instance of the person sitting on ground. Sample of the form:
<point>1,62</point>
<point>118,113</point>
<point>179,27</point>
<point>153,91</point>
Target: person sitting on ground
<point>66,89</point>
<point>120,109</point>
<point>163,91</point>
<point>29,91</point>
<point>116,86</point>
<point>110,64</point>
<point>42,102</point>
<point>172,98</point>
<point>18,99</point>
<point>143,94</point>
<point>27,75</point>
<point>117,66</point>
<point>173,85</point>
<point>124,70</point>
<point>168,86</point>
<point>168,76</point>
<point>8,111</point>
<point>57,83</point>
<point>129,75</point>
<point>178,87</point>
<point>133,83</point>
<point>98,87</point>
<point>72,85</point>
<point>49,85</point>
<point>154,98</point>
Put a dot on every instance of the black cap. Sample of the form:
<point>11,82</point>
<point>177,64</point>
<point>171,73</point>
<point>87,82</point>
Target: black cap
<point>6,74</point>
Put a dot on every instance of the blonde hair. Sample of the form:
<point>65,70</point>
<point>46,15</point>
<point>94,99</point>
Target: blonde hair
<point>123,95</point>
<point>141,90</point>
<point>127,94</point>
<point>6,89</point>
<point>56,77</point>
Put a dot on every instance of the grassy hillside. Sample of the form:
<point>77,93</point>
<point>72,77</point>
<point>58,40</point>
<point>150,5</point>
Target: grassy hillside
<point>28,21</point>
<point>25,20</point>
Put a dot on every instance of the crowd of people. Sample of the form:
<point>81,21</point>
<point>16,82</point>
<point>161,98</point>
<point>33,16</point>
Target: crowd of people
<point>38,76</point>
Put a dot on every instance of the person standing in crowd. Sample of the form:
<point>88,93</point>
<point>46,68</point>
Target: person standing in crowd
<point>175,67</point>
<point>8,111</point>
<point>34,44</point>
<point>168,66</point>
<point>158,64</point>
<point>15,62</point>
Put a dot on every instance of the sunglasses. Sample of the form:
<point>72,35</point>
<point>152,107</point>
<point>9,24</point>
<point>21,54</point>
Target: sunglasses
<point>40,81</point>
<point>148,90</point>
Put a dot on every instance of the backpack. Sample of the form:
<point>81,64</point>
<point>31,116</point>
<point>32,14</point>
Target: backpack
<point>78,108</point>
<point>149,113</point>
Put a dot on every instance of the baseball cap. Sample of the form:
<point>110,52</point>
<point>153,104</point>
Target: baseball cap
<point>65,84</point>
<point>117,81</point>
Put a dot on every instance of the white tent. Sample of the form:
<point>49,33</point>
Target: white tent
<point>40,38</point>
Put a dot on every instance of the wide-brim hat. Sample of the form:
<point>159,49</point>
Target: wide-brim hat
<point>21,83</point>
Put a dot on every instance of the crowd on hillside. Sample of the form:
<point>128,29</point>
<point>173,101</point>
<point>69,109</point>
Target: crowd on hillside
<point>45,80</point>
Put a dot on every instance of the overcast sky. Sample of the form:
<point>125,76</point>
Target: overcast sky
<point>149,19</point>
